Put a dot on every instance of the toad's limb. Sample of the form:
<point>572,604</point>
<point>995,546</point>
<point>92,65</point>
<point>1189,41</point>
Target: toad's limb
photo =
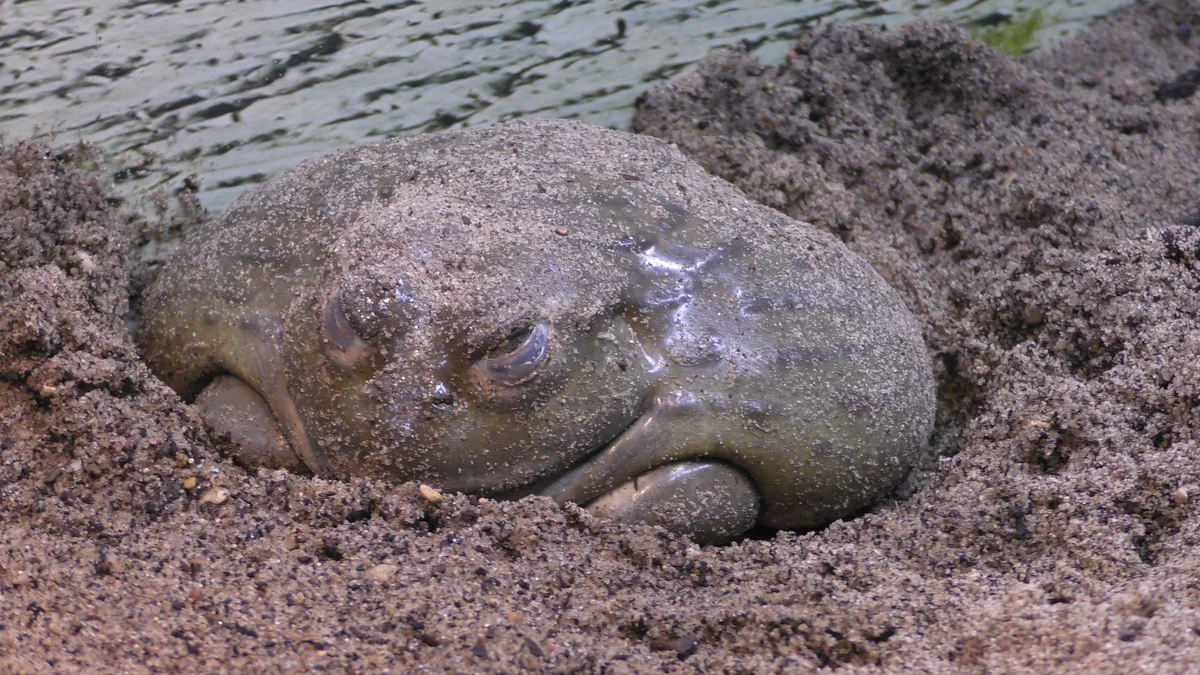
<point>711,502</point>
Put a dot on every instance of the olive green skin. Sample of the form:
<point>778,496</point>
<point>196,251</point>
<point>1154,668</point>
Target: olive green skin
<point>682,321</point>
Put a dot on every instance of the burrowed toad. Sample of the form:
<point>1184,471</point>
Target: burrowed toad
<point>547,306</point>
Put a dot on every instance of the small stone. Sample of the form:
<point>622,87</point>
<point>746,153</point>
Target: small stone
<point>1181,496</point>
<point>533,648</point>
<point>1131,630</point>
<point>87,264</point>
<point>381,572</point>
<point>132,159</point>
<point>684,646</point>
<point>214,495</point>
<point>194,595</point>
<point>189,482</point>
<point>1033,315</point>
<point>429,494</point>
<point>562,231</point>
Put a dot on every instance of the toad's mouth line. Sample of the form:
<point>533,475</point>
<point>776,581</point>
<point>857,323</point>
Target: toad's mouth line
<point>663,433</point>
<point>635,449</point>
<point>540,485</point>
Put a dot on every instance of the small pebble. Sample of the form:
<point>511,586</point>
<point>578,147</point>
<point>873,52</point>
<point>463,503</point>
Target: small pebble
<point>562,231</point>
<point>215,495</point>
<point>381,572</point>
<point>684,645</point>
<point>1181,496</point>
<point>189,482</point>
<point>432,496</point>
<point>534,648</point>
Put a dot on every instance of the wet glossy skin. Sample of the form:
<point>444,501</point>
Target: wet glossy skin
<point>548,306</point>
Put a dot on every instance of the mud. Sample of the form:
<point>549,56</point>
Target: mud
<point>1038,216</point>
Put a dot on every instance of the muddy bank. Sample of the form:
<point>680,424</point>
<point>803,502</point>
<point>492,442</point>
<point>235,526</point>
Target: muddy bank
<point>1038,216</point>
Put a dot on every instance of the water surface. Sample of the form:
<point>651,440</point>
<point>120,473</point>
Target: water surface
<point>232,92</point>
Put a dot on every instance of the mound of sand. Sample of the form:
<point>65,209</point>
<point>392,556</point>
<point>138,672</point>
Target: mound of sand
<point>1039,216</point>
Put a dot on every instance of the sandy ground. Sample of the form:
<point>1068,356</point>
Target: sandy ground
<point>1040,218</point>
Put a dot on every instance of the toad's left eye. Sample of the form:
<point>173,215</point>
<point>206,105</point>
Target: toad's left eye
<point>377,311</point>
<point>517,359</point>
<point>337,326</point>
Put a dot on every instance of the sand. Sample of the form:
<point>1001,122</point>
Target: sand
<point>1040,218</point>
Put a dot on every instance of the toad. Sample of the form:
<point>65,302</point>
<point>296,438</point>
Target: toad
<point>545,306</point>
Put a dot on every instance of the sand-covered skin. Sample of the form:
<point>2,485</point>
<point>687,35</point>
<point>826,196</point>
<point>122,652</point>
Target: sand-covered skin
<point>1039,222</point>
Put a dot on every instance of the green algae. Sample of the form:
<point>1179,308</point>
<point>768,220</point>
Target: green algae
<point>1015,37</point>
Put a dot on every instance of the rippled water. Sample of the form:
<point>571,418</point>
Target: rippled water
<point>237,91</point>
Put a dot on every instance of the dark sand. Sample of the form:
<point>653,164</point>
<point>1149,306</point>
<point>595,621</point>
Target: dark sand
<point>1041,219</point>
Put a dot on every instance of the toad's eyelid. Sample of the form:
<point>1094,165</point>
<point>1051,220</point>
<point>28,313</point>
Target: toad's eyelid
<point>337,326</point>
<point>375,311</point>
<point>522,363</point>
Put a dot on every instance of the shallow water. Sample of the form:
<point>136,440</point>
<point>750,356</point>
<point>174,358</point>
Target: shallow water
<point>234,92</point>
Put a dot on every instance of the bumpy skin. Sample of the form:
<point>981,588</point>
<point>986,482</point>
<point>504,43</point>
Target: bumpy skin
<point>548,306</point>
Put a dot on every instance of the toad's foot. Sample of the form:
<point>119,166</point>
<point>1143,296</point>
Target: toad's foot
<point>231,407</point>
<point>711,502</point>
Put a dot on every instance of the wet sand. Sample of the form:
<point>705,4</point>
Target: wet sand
<point>1038,216</point>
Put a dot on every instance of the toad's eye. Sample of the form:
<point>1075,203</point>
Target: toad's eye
<point>337,325</point>
<point>369,311</point>
<point>517,359</point>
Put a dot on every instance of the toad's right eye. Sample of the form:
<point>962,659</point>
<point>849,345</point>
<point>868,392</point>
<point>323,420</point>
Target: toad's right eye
<point>517,359</point>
